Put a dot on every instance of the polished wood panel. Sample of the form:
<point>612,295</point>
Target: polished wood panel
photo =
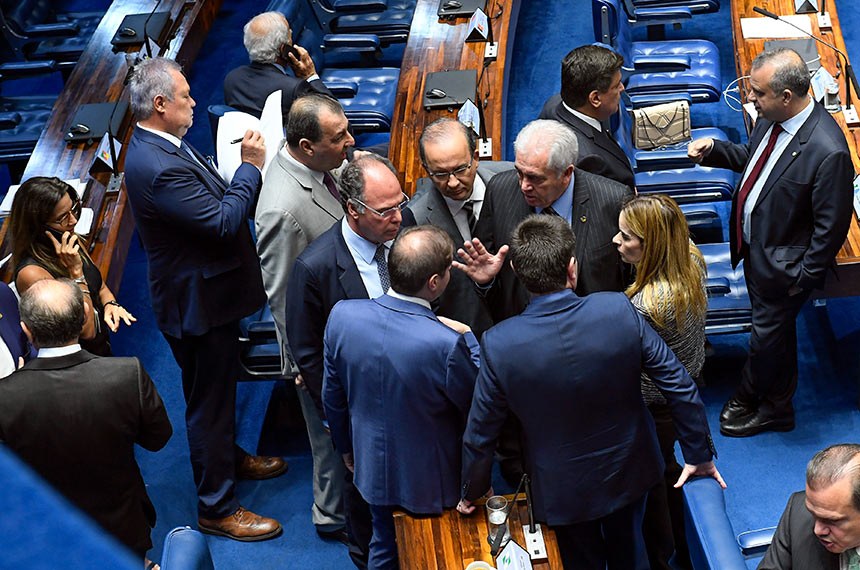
<point>99,77</point>
<point>436,45</point>
<point>451,541</point>
<point>848,258</point>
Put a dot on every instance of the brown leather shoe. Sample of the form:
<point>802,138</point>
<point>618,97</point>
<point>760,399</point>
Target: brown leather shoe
<point>242,525</point>
<point>261,467</point>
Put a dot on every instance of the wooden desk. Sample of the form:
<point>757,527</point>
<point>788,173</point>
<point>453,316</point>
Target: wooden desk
<point>451,541</point>
<point>848,258</point>
<point>98,78</point>
<point>436,45</point>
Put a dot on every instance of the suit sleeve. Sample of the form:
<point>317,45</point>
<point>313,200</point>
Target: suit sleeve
<point>302,88</point>
<point>334,397</point>
<point>184,200</point>
<point>728,155</point>
<point>486,416</point>
<point>595,164</point>
<point>305,319</point>
<point>832,196</point>
<point>155,428</point>
<point>676,385</point>
<point>778,556</point>
<point>462,367</point>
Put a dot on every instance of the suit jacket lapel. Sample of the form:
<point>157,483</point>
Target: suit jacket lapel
<point>440,216</point>
<point>597,137</point>
<point>579,218</point>
<point>319,193</point>
<point>219,186</point>
<point>347,271</point>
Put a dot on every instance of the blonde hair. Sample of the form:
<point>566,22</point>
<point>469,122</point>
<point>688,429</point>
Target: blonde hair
<point>672,269</point>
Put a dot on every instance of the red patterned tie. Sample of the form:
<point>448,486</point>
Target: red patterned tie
<point>750,182</point>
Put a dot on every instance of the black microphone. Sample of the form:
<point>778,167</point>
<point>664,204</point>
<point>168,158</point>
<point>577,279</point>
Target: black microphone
<point>146,33</point>
<point>850,78</point>
<point>500,533</point>
<point>532,528</point>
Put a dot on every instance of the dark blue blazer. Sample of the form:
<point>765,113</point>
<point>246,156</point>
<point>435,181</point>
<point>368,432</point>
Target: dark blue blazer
<point>246,88</point>
<point>398,386</point>
<point>203,267</point>
<point>10,325</point>
<point>323,274</point>
<point>569,369</point>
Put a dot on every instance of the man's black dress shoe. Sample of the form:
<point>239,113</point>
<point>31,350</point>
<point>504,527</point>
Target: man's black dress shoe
<point>746,426</point>
<point>339,535</point>
<point>735,409</point>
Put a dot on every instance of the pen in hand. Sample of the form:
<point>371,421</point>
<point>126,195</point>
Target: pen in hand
<point>240,139</point>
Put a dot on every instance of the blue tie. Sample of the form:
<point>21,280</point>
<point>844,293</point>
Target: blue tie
<point>382,267</point>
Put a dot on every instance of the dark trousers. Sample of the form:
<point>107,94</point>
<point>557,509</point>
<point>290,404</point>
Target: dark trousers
<point>663,525</point>
<point>769,378</point>
<point>359,525</point>
<point>383,544</point>
<point>613,542</point>
<point>210,365</point>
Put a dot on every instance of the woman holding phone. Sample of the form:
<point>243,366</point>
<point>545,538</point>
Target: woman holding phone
<point>45,246</point>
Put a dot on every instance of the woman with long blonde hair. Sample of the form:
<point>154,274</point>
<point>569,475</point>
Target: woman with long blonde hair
<point>669,291</point>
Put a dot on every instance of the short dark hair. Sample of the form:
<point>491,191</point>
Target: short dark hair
<point>418,253</point>
<point>442,128</point>
<point>789,70</point>
<point>303,121</point>
<point>585,69</point>
<point>832,464</point>
<point>53,310</point>
<point>351,183</point>
<point>541,248</point>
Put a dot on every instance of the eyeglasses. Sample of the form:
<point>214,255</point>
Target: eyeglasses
<point>75,211</point>
<point>444,176</point>
<point>387,213</point>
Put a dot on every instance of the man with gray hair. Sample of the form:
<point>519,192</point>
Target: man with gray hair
<point>299,201</point>
<point>204,276</point>
<point>789,217</point>
<point>545,181</point>
<point>268,39</point>
<point>75,417</point>
<point>820,528</point>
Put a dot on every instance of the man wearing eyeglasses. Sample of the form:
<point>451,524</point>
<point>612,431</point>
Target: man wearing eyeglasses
<point>451,198</point>
<point>348,261</point>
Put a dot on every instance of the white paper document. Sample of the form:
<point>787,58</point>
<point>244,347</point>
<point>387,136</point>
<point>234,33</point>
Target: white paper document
<point>764,27</point>
<point>233,125</point>
<point>6,204</point>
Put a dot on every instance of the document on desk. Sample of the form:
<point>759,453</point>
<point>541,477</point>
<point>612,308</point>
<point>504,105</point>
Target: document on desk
<point>6,205</point>
<point>754,28</point>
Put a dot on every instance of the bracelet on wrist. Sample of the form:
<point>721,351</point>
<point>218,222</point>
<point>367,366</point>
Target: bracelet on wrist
<point>81,280</point>
<point>113,302</point>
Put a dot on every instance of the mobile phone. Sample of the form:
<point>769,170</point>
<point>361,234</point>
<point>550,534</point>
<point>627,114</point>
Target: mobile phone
<point>58,235</point>
<point>291,48</point>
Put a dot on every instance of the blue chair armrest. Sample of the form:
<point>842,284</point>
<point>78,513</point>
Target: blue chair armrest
<point>756,541</point>
<point>667,62</point>
<point>342,89</point>
<point>357,6</point>
<point>9,120</point>
<point>186,549</point>
<point>354,42</point>
<point>709,532</point>
<point>647,100</point>
<point>667,14</point>
<point>19,69</point>
<point>57,30</point>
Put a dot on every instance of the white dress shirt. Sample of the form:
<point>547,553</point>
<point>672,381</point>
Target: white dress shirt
<point>362,252</point>
<point>461,218</point>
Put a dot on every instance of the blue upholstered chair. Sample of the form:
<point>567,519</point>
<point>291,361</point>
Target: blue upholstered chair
<point>728,300</point>
<point>682,67</point>
<point>709,532</point>
<point>185,549</point>
<point>694,6</point>
<point>367,94</point>
<point>390,20</point>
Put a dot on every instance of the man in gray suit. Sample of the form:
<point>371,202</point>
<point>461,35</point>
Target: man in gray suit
<point>451,198</point>
<point>820,529</point>
<point>298,202</point>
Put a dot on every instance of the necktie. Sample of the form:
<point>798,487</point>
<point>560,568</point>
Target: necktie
<point>469,208</point>
<point>382,267</point>
<point>750,182</point>
<point>852,559</point>
<point>549,211</point>
<point>328,180</point>
<point>187,148</point>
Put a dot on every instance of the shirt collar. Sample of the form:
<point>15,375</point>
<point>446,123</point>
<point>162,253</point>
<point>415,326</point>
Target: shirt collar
<point>167,136</point>
<point>318,176</point>
<point>563,205</point>
<point>409,298</point>
<point>792,125</point>
<point>365,249</point>
<point>55,351</point>
<point>583,117</point>
<point>477,195</point>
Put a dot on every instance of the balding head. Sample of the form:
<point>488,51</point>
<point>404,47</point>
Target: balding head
<point>265,36</point>
<point>420,261</point>
<point>52,312</point>
<point>779,84</point>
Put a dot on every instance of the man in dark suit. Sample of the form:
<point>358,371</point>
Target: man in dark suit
<point>590,94</point>
<point>820,529</point>
<point>348,261</point>
<point>789,217</point>
<point>268,39</point>
<point>14,342</point>
<point>398,379</point>
<point>568,368</point>
<point>545,182</point>
<point>204,276</point>
<point>75,417</point>
<point>451,198</point>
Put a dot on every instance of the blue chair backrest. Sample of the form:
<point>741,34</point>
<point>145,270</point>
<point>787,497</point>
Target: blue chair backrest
<point>186,549</point>
<point>306,29</point>
<point>613,27</point>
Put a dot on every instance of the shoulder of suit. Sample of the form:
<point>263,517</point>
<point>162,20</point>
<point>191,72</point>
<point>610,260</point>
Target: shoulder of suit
<point>602,181</point>
<point>321,250</point>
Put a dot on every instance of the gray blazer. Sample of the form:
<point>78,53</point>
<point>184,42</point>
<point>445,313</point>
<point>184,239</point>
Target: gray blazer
<point>460,300</point>
<point>794,545</point>
<point>292,211</point>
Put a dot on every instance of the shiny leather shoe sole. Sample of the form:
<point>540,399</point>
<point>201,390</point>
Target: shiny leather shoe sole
<point>734,409</point>
<point>752,425</point>
<point>253,538</point>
